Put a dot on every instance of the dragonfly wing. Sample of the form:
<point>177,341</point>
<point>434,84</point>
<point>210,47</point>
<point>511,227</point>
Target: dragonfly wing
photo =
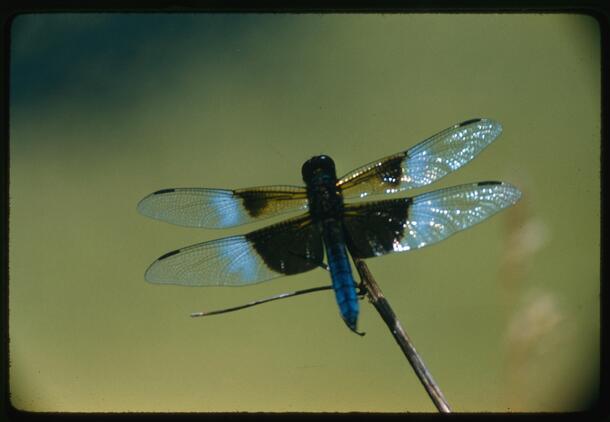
<point>290,247</point>
<point>424,163</point>
<point>397,225</point>
<point>219,208</point>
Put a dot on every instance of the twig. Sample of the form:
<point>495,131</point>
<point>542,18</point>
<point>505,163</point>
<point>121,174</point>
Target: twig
<point>383,307</point>
<point>261,301</point>
<point>387,314</point>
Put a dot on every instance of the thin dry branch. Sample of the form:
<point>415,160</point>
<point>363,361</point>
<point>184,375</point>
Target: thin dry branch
<point>387,314</point>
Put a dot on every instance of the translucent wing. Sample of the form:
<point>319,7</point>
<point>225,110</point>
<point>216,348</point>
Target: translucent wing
<point>218,208</point>
<point>397,225</point>
<point>290,247</point>
<point>424,163</point>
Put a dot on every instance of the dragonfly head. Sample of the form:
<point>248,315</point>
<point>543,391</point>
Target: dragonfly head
<point>318,168</point>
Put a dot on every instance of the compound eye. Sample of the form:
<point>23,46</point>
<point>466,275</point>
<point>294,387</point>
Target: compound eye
<point>317,165</point>
<point>327,164</point>
<point>306,170</point>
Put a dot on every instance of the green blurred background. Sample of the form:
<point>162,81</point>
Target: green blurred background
<point>106,108</point>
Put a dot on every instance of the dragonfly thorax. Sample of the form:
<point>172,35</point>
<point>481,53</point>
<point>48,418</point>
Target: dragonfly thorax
<point>325,199</point>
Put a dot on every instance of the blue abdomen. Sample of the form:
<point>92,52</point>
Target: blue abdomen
<point>341,274</point>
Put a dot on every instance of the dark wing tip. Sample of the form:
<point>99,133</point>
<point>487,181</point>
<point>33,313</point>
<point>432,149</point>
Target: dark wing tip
<point>509,191</point>
<point>162,191</point>
<point>467,122</point>
<point>489,183</point>
<point>144,206</point>
<point>167,255</point>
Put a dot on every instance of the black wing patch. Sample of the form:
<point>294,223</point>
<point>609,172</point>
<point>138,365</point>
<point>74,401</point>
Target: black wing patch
<point>398,225</point>
<point>219,208</point>
<point>290,247</point>
<point>424,163</point>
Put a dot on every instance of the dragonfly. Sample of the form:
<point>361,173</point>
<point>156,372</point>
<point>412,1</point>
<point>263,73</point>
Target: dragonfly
<point>334,223</point>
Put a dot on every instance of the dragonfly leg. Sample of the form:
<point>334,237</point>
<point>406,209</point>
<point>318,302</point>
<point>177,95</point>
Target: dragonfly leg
<point>361,290</point>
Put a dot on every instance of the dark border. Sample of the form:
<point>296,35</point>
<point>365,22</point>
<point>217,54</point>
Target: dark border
<point>598,9</point>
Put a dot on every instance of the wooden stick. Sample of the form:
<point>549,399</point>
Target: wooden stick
<point>387,314</point>
<point>383,307</point>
